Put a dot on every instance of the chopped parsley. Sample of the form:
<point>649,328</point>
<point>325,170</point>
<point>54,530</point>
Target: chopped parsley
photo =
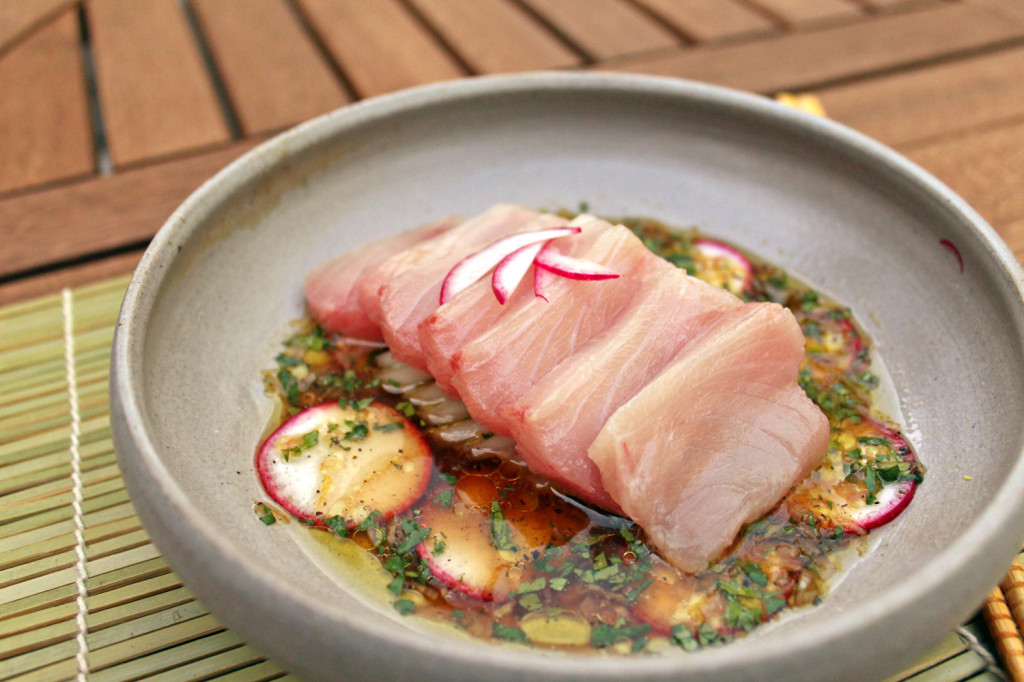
<point>501,533</point>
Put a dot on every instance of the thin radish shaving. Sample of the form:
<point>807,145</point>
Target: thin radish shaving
<point>473,267</point>
<point>572,268</point>
<point>511,270</point>
<point>541,281</point>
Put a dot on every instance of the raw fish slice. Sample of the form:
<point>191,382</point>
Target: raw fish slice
<point>331,289</point>
<point>555,422</point>
<point>413,293</point>
<point>717,438</point>
<point>498,366</point>
<point>475,310</point>
<point>462,319</point>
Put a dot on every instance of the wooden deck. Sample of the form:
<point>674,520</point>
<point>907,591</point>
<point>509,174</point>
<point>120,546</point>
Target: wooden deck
<point>113,111</point>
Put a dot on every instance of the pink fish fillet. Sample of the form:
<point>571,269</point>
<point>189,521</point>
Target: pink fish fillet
<point>471,313</point>
<point>717,438</point>
<point>331,289</point>
<point>555,421</point>
<point>495,368</point>
<point>413,291</point>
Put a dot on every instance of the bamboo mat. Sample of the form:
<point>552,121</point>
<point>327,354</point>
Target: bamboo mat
<point>83,592</point>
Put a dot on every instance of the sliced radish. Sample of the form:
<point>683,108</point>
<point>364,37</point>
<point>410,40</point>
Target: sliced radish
<point>868,478</point>
<point>330,460</point>
<point>893,496</point>
<point>572,268</point>
<point>511,270</point>
<point>541,282</point>
<point>722,265</point>
<point>833,340</point>
<point>467,560</point>
<point>674,598</point>
<point>477,547</point>
<point>473,267</point>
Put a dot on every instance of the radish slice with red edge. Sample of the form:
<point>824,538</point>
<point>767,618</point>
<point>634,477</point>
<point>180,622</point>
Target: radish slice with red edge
<point>511,270</point>
<point>723,266</point>
<point>892,496</point>
<point>541,282</point>
<point>461,553</point>
<point>473,267</point>
<point>333,460</point>
<point>572,268</point>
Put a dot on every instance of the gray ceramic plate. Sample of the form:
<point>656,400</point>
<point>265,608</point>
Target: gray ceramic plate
<point>214,294</point>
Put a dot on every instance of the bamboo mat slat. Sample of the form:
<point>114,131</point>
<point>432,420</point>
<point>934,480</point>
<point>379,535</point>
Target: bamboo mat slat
<point>140,621</point>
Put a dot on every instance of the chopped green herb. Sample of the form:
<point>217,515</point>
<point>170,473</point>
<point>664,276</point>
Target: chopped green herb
<point>386,428</point>
<point>603,635</point>
<point>682,637</point>
<point>508,633</point>
<point>501,533</point>
<point>359,405</point>
<point>405,606</point>
<point>415,534</point>
<point>357,430</point>
<point>289,384</point>
<point>338,525</point>
<point>265,514</point>
<point>754,572</point>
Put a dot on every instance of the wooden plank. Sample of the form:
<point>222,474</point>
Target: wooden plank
<point>1013,233</point>
<point>815,58</point>
<point>943,99</point>
<point>985,167</point>
<point>379,45</point>
<point>899,5</point>
<point>496,36</point>
<point>270,66</point>
<point>101,214</point>
<point>1009,9</point>
<point>604,28</point>
<point>156,96</point>
<point>807,12</point>
<point>711,21</point>
<point>19,19</point>
<point>45,132</point>
<point>77,275</point>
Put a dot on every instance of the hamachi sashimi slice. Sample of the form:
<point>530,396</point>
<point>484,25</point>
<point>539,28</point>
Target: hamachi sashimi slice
<point>496,367</point>
<point>717,438</point>
<point>557,419</point>
<point>413,291</point>
<point>332,288</point>
<point>473,312</point>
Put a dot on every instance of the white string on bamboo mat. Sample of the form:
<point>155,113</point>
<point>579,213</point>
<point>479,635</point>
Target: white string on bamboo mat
<point>991,664</point>
<point>76,482</point>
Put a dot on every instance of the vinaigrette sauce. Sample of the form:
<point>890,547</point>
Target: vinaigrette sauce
<point>562,574</point>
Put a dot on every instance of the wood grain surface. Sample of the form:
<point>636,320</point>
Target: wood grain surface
<point>522,44</point>
<point>102,214</point>
<point>605,28</point>
<point>155,93</point>
<point>44,113</point>
<point>712,21</point>
<point>18,19</point>
<point>802,60</point>
<point>272,71</point>
<point>379,45</point>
